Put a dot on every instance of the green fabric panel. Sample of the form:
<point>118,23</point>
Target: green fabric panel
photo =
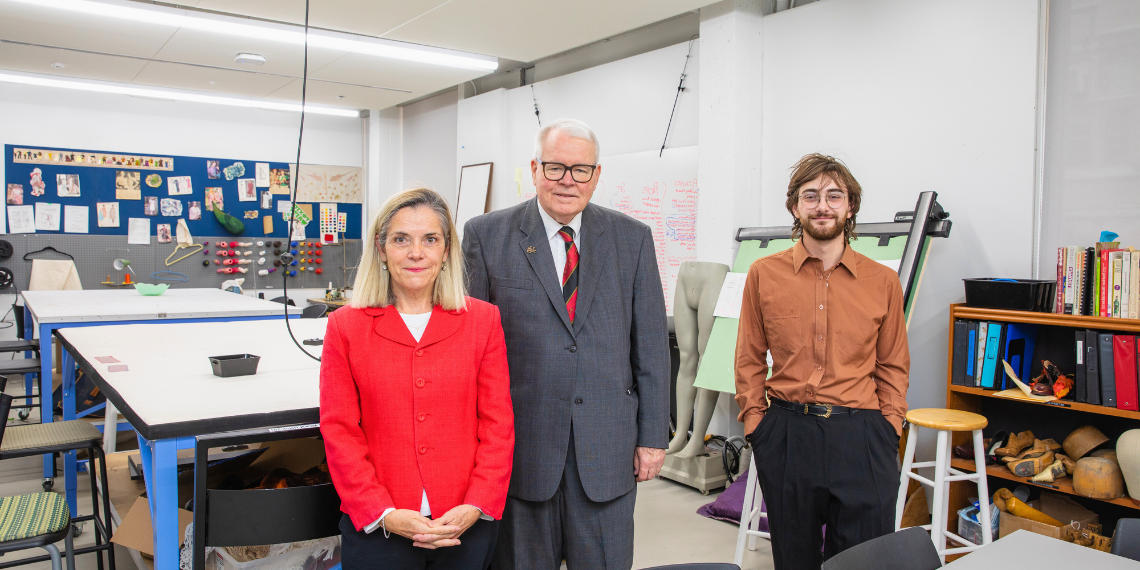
<point>25,516</point>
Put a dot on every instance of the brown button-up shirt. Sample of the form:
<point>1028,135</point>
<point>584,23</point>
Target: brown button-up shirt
<point>845,345</point>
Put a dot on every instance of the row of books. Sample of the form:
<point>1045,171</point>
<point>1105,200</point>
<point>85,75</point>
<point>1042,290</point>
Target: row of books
<point>1106,371</point>
<point>1098,281</point>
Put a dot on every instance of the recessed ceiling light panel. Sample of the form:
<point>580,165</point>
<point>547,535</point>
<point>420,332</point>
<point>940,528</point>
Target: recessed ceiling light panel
<point>250,59</point>
<point>58,65</point>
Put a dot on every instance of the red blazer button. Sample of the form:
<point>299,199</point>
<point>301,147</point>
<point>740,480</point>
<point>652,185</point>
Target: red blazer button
<point>423,450</point>
<point>420,352</point>
<point>420,383</point>
<point>421,417</point>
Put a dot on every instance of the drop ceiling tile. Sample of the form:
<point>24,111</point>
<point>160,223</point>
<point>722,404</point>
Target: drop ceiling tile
<point>527,30</point>
<point>322,93</point>
<point>368,17</point>
<point>393,73</point>
<point>194,78</point>
<point>205,48</point>
<point>47,26</point>
<point>34,59</point>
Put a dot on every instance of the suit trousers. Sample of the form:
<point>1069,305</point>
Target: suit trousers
<point>538,535</point>
<point>363,551</point>
<point>840,471</point>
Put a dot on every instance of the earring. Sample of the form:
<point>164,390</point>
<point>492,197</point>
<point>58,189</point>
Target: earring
<point>385,266</point>
<point>444,268</point>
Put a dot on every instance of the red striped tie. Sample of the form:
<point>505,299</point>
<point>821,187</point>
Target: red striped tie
<point>570,272</point>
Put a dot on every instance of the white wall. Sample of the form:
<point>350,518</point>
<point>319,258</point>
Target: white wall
<point>429,143</point>
<point>914,96</point>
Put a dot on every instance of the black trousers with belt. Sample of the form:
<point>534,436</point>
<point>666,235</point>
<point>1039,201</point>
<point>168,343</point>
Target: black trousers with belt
<point>361,551</point>
<point>841,471</point>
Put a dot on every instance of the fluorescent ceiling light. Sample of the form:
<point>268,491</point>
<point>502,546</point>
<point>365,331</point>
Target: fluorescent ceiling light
<point>269,31</point>
<point>164,94</point>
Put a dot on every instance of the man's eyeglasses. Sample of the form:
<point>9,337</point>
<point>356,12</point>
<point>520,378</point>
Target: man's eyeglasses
<point>554,171</point>
<point>834,199</point>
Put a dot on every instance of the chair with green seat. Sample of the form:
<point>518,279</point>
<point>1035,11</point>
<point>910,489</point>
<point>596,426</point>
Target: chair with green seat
<point>38,520</point>
<point>63,437</point>
<point>25,366</point>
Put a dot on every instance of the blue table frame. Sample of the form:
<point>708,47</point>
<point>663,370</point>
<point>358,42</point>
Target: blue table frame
<point>67,368</point>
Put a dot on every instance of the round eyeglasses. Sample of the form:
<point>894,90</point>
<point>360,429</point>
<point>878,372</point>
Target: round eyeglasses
<point>554,171</point>
<point>834,199</point>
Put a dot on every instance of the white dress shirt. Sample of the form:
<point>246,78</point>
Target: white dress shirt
<point>557,244</point>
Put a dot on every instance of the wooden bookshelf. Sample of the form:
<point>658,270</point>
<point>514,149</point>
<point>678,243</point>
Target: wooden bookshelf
<point>975,399</point>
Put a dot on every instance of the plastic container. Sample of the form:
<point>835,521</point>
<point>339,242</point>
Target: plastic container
<point>972,531</point>
<point>151,290</point>
<point>1011,294</point>
<point>316,557</point>
<point>234,365</point>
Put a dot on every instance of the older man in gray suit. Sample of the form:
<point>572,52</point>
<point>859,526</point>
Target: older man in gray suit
<point>584,315</point>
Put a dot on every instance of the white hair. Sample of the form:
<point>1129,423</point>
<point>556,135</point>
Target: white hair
<point>572,128</point>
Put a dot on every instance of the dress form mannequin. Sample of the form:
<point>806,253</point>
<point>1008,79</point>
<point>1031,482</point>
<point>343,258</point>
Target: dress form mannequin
<point>698,286</point>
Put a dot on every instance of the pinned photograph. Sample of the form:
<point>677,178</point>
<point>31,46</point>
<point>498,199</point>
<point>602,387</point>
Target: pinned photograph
<point>247,192</point>
<point>178,185</point>
<point>279,180</point>
<point>150,206</point>
<point>37,183</point>
<point>266,200</point>
<point>234,170</point>
<point>194,210</point>
<point>213,198</point>
<point>261,174</point>
<point>213,169</point>
<point>67,185</point>
<point>15,194</point>
<point>163,233</point>
<point>108,214</point>
<point>128,185</point>
<point>171,207</point>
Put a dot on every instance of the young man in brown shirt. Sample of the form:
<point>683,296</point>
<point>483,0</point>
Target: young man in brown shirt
<point>825,427</point>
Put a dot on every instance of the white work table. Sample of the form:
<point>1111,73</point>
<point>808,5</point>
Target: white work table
<point>170,394</point>
<point>47,311</point>
<point>1025,549</point>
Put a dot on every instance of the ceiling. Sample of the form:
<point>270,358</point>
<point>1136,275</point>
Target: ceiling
<point>107,49</point>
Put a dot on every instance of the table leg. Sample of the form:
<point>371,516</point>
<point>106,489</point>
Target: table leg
<point>110,427</point>
<point>69,467</point>
<point>29,333</point>
<point>160,466</point>
<point>45,390</point>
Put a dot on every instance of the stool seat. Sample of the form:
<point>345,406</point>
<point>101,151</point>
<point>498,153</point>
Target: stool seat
<point>68,434</point>
<point>28,516</point>
<point>946,420</point>
<point>23,366</point>
<point>19,345</point>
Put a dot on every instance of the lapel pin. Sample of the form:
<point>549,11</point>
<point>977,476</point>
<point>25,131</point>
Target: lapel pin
<point>531,249</point>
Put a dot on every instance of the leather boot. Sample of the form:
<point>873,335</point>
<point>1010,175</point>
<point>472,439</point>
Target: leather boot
<point>1052,445</point>
<point>1051,473</point>
<point>1069,464</point>
<point>1016,443</point>
<point>1036,450</point>
<point>1031,466</point>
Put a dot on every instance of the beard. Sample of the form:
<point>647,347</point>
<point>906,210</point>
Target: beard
<point>822,234</point>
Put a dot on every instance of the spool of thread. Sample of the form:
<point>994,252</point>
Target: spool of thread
<point>319,271</point>
<point>263,272</point>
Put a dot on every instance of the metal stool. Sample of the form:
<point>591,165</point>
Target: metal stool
<point>946,422</point>
<point>62,437</point>
<point>750,514</point>
<point>38,520</point>
<point>27,366</point>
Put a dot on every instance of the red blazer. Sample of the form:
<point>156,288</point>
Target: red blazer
<point>399,417</point>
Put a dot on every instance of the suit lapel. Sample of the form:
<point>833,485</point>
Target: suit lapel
<point>441,325</point>
<point>599,246</point>
<point>536,249</point>
<point>387,323</point>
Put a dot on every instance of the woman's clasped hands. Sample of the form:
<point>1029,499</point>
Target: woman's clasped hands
<point>431,534</point>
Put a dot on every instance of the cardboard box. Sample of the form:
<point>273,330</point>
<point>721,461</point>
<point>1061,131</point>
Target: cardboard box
<point>137,532</point>
<point>1059,507</point>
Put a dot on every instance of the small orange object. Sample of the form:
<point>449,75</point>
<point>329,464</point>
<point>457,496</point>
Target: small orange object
<point>127,279</point>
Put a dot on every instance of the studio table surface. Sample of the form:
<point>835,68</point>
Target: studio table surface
<point>169,389</point>
<point>1024,549</point>
<point>101,305</point>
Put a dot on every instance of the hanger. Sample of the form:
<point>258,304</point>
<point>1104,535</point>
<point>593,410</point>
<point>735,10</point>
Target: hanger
<point>46,249</point>
<point>194,248</point>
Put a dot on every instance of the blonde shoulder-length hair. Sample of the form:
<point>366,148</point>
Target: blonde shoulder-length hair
<point>373,287</point>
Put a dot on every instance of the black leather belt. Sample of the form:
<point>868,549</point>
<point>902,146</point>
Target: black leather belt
<point>821,410</point>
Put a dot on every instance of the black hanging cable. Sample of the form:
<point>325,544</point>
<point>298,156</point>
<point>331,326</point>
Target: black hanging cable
<point>680,88</point>
<point>293,197</point>
<point>533,98</point>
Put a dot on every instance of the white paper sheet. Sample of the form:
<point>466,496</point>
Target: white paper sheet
<point>21,220</point>
<point>47,216</point>
<point>138,231</point>
<point>261,174</point>
<point>76,219</point>
<point>283,206</point>
<point>731,296</point>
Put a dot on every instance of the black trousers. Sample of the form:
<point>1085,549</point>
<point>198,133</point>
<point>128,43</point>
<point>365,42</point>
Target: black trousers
<point>840,471</point>
<point>361,551</point>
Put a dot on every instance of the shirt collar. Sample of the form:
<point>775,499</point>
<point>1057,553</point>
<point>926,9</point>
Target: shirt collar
<point>553,226</point>
<point>800,255</point>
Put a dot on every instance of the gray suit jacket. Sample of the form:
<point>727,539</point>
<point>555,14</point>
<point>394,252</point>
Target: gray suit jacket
<point>607,374</point>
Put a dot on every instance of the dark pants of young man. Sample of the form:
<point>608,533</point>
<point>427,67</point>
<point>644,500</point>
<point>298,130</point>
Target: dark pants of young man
<point>841,471</point>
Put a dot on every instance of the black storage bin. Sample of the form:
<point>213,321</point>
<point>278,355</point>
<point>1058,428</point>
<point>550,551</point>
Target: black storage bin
<point>234,365</point>
<point>1011,294</point>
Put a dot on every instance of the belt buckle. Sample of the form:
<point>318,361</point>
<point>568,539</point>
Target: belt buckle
<point>828,414</point>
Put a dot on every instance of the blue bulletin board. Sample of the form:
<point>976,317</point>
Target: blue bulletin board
<point>97,184</point>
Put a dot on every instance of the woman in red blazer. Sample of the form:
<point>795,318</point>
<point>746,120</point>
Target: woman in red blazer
<point>415,400</point>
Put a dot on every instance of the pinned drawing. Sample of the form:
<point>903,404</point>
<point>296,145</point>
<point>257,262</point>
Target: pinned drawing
<point>247,192</point>
<point>150,207</point>
<point>127,186</point>
<point>178,185</point>
<point>250,214</point>
<point>67,185</point>
<point>153,180</point>
<point>38,185</point>
<point>266,200</point>
<point>213,170</point>
<point>163,233</point>
<point>234,170</point>
<point>108,214</point>
<point>261,174</point>
<point>15,194</point>
<point>194,210</point>
<point>213,199</point>
<point>317,183</point>
<point>171,207</point>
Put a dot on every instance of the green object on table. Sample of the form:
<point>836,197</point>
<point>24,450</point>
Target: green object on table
<point>230,223</point>
<point>151,290</point>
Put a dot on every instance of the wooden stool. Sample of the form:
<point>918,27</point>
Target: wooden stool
<point>945,421</point>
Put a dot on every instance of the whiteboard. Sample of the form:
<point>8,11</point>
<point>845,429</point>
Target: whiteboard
<point>474,183</point>
<point>662,192</point>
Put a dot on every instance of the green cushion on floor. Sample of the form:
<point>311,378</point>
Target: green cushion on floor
<point>25,516</point>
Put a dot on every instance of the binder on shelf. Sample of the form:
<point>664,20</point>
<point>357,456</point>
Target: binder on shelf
<point>958,370</point>
<point>1020,339</point>
<point>980,353</point>
<point>1092,368</point>
<point>1080,392</point>
<point>1089,292</point>
<point>1107,370</point>
<point>993,353</point>
<point>1124,363</point>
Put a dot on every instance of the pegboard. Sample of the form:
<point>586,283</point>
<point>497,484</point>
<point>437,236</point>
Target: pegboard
<point>94,257</point>
<point>97,184</point>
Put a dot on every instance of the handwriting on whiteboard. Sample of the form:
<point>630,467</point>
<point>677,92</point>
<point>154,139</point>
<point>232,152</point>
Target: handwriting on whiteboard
<point>662,192</point>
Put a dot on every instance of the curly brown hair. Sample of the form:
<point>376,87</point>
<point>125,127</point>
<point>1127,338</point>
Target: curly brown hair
<point>809,168</point>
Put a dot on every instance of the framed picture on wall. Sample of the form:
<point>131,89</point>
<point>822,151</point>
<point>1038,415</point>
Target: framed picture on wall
<point>474,192</point>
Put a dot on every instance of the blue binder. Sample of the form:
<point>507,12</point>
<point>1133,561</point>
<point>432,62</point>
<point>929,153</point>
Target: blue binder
<point>1020,339</point>
<point>993,355</point>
